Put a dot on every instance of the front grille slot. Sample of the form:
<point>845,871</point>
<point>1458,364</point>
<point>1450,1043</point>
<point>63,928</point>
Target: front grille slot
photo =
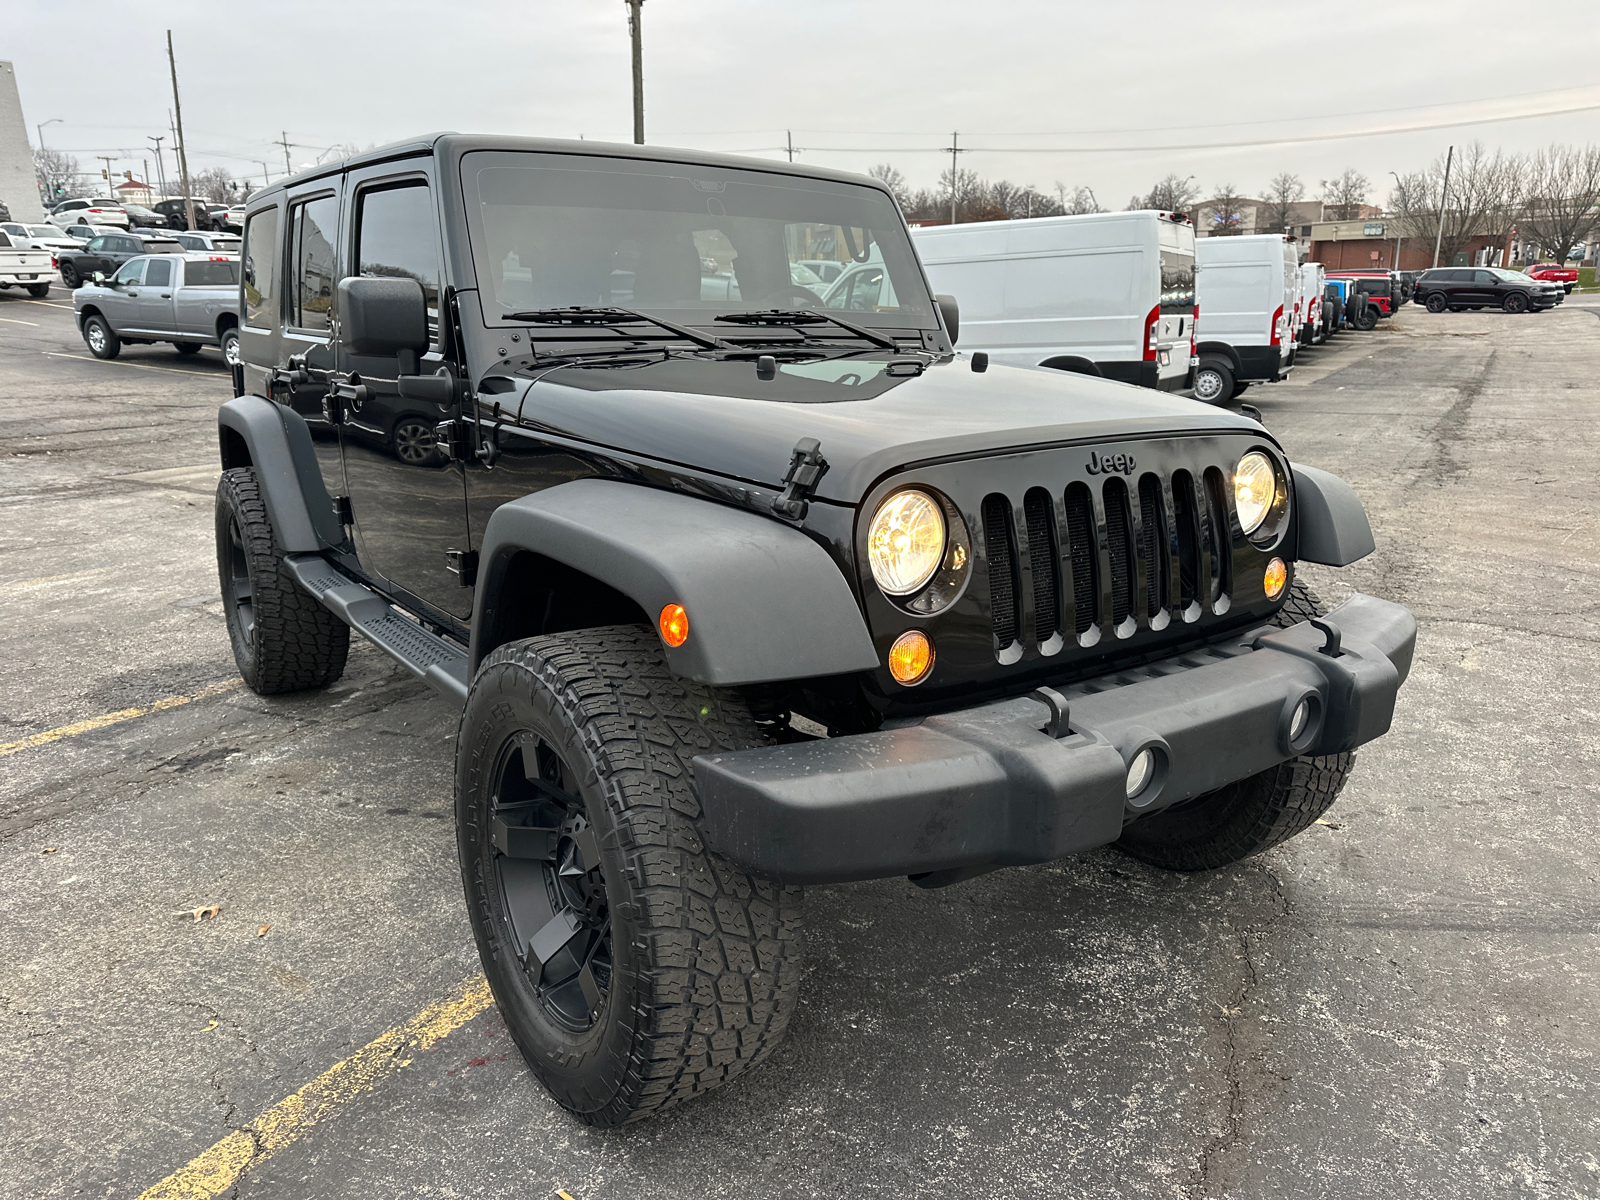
<point>1044,562</point>
<point>998,541</point>
<point>1119,545</point>
<point>1186,519</point>
<point>1083,557</point>
<point>1221,538</point>
<point>1152,544</point>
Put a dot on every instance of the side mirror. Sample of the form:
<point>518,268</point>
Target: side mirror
<point>951,315</point>
<point>383,317</point>
<point>100,278</point>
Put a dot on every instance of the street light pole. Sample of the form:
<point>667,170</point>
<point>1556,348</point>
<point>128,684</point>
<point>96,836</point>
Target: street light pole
<point>1444,193</point>
<point>1405,206</point>
<point>635,34</point>
<point>161,166</point>
<point>40,128</point>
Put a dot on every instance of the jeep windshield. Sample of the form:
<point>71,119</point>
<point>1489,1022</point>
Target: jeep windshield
<point>684,242</point>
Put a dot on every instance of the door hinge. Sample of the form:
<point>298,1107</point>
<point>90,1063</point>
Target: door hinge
<point>806,467</point>
<point>454,439</point>
<point>341,509</point>
<point>463,564</point>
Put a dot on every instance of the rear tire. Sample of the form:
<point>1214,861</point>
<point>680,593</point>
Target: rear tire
<point>230,346</point>
<point>634,968</point>
<point>38,290</point>
<point>283,640</point>
<point>1252,815</point>
<point>1213,381</point>
<point>69,277</point>
<point>1437,303</point>
<point>101,338</point>
<point>1239,389</point>
<point>1366,320</point>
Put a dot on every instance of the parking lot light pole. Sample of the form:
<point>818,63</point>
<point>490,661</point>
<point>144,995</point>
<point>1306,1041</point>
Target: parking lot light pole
<point>40,128</point>
<point>183,157</point>
<point>635,34</point>
<point>1405,207</point>
<point>1444,193</point>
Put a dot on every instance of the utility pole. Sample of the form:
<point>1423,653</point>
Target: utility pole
<point>1405,213</point>
<point>161,167</point>
<point>266,178</point>
<point>106,158</point>
<point>788,137</point>
<point>285,143</point>
<point>183,155</point>
<point>634,32</point>
<point>955,149</point>
<point>1444,193</point>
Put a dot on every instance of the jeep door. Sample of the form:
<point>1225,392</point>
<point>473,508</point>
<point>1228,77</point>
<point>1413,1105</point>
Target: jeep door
<point>409,502</point>
<point>152,299</point>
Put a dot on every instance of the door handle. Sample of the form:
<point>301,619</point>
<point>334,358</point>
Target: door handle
<point>166,295</point>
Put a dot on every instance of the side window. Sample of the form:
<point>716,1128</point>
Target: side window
<point>313,233</point>
<point>1484,277</point>
<point>131,272</point>
<point>129,245</point>
<point>159,272</point>
<point>98,244</point>
<point>396,235</point>
<point>260,269</point>
<point>5,241</point>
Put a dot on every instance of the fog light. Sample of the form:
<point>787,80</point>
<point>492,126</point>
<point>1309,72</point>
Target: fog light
<point>674,625</point>
<point>911,657</point>
<point>1300,719</point>
<point>1140,770</point>
<point>1275,577</point>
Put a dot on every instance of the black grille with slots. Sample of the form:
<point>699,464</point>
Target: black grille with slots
<point>1037,506</point>
<point>997,544</point>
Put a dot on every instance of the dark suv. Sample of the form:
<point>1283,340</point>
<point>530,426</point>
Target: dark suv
<point>739,592</point>
<point>105,252</point>
<point>176,214</point>
<point>1456,288</point>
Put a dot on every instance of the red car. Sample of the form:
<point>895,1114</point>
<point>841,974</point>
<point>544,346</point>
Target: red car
<point>1567,277</point>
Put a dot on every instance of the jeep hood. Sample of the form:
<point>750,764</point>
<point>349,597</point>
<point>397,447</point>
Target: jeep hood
<point>717,416</point>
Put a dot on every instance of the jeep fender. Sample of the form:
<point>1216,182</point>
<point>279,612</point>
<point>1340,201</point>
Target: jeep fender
<point>765,602</point>
<point>1333,525</point>
<point>276,441</point>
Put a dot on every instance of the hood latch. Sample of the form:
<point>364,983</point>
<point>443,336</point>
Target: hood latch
<point>806,467</point>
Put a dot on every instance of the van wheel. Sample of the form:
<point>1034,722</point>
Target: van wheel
<point>1437,303</point>
<point>1252,815</point>
<point>634,968</point>
<point>1238,390</point>
<point>1213,381</point>
<point>99,337</point>
<point>1516,302</point>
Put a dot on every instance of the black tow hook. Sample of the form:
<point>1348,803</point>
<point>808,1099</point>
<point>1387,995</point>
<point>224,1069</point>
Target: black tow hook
<point>1060,711</point>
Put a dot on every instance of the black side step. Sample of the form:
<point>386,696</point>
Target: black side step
<point>436,661</point>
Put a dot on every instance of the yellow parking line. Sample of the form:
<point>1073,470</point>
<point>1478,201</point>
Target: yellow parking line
<point>9,321</point>
<point>115,718</point>
<point>216,1170</point>
<point>117,363</point>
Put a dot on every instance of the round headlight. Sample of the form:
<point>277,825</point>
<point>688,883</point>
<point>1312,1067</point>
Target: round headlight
<point>906,542</point>
<point>1255,487</point>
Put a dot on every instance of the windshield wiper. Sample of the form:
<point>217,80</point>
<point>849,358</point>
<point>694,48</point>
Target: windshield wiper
<point>607,315</point>
<point>802,316</point>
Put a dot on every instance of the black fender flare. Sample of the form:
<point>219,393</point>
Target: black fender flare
<point>1073,363</point>
<point>765,602</point>
<point>1332,524</point>
<point>276,441</point>
<point>1220,350</point>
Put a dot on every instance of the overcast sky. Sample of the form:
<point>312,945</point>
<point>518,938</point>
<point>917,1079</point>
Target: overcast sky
<point>1170,80</point>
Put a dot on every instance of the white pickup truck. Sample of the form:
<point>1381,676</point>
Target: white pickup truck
<point>190,300</point>
<point>31,269</point>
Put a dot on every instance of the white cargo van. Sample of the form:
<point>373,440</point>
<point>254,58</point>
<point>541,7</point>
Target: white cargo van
<point>1107,294</point>
<point>1313,318</point>
<point>1247,288</point>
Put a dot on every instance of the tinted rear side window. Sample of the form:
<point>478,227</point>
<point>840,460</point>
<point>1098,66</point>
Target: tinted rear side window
<point>314,232</point>
<point>211,274</point>
<point>261,269</point>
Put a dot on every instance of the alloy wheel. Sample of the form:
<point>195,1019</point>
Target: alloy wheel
<point>97,337</point>
<point>413,442</point>
<point>241,593</point>
<point>547,863</point>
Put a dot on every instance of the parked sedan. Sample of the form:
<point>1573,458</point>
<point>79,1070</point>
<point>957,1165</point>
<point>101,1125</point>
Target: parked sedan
<point>105,254</point>
<point>38,237</point>
<point>190,300</point>
<point>1456,288</point>
<point>88,211</point>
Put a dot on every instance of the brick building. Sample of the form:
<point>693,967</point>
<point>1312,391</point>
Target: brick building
<point>1370,244</point>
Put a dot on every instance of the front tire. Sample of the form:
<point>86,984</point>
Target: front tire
<point>1437,303</point>
<point>1213,381</point>
<point>1516,302</point>
<point>634,968</point>
<point>283,640</point>
<point>101,338</point>
<point>1252,815</point>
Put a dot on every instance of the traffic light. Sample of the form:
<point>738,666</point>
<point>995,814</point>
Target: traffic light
<point>60,190</point>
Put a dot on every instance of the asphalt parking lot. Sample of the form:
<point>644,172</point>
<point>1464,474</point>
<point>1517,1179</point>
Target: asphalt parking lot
<point>1401,1002</point>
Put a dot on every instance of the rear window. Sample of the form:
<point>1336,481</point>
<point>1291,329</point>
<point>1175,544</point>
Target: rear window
<point>162,246</point>
<point>211,274</point>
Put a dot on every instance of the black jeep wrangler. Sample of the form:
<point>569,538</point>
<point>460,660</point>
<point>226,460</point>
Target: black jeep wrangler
<point>739,593</point>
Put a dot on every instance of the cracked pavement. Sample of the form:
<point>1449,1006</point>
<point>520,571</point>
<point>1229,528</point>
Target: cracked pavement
<point>1400,1002</point>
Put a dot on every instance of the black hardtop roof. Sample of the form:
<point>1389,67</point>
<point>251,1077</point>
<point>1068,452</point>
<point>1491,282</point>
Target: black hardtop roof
<point>453,145</point>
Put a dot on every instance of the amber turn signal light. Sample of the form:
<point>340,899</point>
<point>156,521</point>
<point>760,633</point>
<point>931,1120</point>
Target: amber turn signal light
<point>674,625</point>
<point>1275,577</point>
<point>911,657</point>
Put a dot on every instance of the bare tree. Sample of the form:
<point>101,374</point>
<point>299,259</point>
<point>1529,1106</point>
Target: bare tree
<point>1564,198</point>
<point>1171,194</point>
<point>213,184</point>
<point>1082,200</point>
<point>892,179</point>
<point>60,174</point>
<point>1485,196</point>
<point>1283,193</point>
<point>1223,212</point>
<point>1345,195</point>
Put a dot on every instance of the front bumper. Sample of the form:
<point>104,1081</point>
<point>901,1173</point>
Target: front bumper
<point>988,786</point>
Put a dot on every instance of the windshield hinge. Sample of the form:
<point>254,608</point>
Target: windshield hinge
<point>806,467</point>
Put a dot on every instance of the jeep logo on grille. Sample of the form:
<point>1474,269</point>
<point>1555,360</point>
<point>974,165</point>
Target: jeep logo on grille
<point>1120,463</point>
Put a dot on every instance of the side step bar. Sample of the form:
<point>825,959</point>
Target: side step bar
<point>437,661</point>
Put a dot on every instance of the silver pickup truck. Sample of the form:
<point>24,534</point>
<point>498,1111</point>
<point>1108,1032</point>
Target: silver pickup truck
<point>25,268</point>
<point>190,300</point>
